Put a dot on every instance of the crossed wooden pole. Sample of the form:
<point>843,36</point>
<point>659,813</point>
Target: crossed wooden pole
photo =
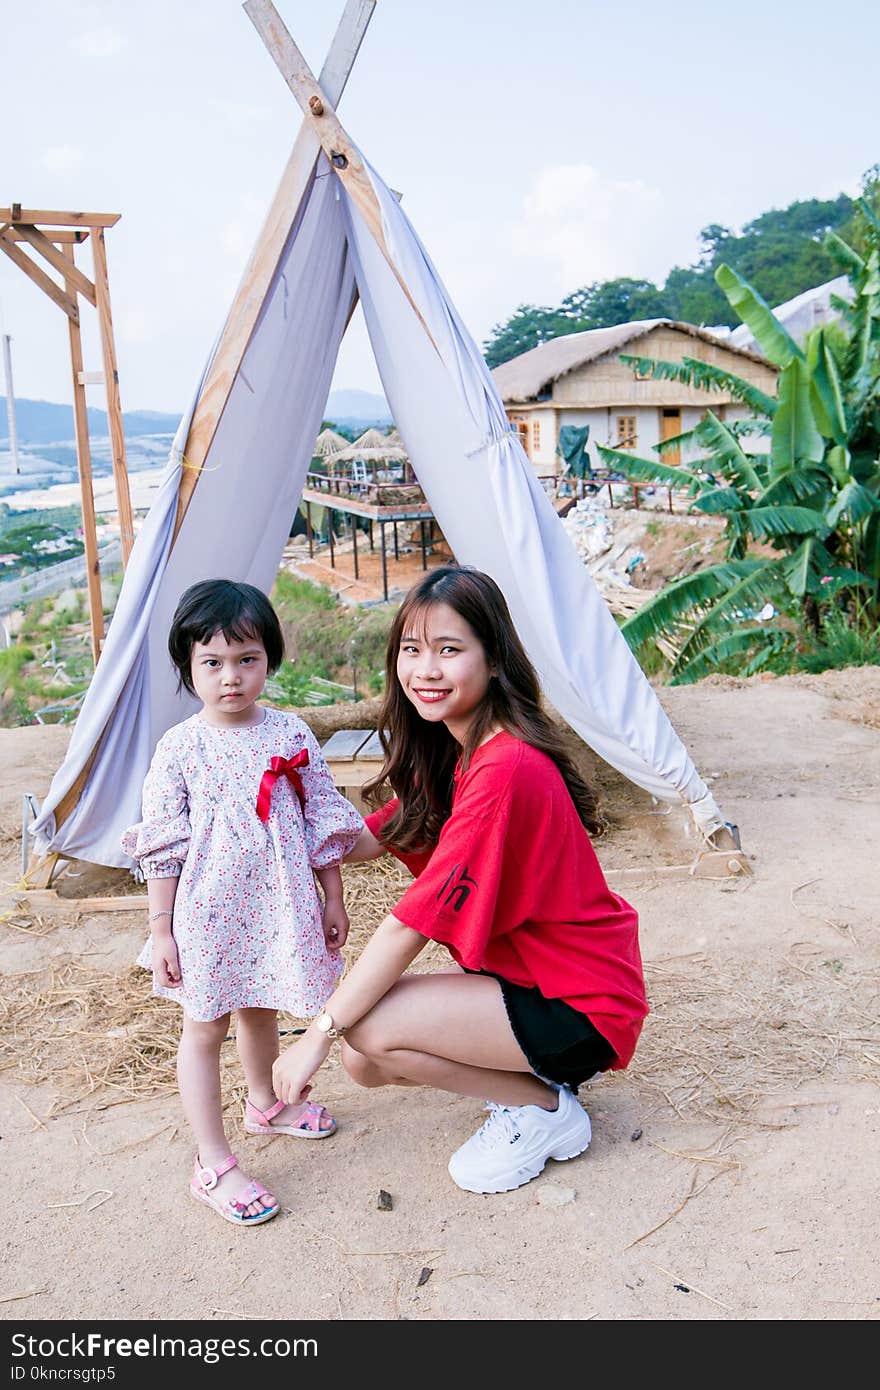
<point>54,237</point>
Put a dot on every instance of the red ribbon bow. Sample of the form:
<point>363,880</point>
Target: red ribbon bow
<point>281,767</point>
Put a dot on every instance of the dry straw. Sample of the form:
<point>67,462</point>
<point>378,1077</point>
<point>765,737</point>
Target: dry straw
<point>723,1041</point>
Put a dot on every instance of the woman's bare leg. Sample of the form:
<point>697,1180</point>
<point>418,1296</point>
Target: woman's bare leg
<point>449,1031</point>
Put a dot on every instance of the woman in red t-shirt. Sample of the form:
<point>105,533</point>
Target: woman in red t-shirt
<point>492,818</point>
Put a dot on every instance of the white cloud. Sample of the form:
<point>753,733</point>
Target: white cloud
<point>99,43</point>
<point>63,159</point>
<point>583,226</point>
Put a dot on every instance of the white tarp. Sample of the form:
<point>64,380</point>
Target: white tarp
<point>476,478</point>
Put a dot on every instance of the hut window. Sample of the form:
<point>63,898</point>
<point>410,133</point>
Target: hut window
<point>626,432</point>
<point>521,428</point>
<point>536,435</point>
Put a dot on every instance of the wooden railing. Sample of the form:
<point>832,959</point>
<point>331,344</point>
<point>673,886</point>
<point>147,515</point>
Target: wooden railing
<point>377,494</point>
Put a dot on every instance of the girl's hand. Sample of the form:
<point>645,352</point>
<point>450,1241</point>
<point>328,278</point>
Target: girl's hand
<point>336,924</point>
<point>166,962</point>
<point>293,1070</point>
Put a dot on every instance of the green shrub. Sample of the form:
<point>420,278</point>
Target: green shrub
<point>842,642</point>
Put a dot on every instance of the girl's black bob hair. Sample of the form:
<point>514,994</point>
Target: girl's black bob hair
<point>239,611</point>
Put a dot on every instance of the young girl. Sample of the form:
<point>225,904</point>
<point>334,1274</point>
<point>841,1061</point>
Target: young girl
<point>238,809</point>
<point>493,818</point>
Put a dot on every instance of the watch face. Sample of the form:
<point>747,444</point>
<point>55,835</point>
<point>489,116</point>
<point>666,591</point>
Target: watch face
<point>325,1023</point>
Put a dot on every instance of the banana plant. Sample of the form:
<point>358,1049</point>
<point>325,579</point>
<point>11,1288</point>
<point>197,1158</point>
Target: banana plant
<point>813,495</point>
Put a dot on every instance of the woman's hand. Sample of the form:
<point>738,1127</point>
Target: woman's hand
<point>166,962</point>
<point>293,1070</point>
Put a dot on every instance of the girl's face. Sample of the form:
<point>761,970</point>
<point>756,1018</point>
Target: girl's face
<point>442,668</point>
<point>228,678</point>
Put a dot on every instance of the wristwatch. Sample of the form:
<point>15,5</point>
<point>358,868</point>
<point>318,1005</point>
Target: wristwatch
<point>324,1023</point>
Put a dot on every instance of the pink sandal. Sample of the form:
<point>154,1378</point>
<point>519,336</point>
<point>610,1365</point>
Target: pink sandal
<point>234,1208</point>
<point>309,1127</point>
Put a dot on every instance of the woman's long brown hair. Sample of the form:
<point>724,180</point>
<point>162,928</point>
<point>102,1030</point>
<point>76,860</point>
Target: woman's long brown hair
<point>420,756</point>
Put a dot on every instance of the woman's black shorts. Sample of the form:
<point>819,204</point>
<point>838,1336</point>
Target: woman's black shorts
<point>559,1042</point>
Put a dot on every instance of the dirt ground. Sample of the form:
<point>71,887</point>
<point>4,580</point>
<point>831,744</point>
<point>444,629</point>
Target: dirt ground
<point>732,1173</point>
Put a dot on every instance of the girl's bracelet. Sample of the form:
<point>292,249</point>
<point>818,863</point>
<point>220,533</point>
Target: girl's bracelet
<point>163,912</point>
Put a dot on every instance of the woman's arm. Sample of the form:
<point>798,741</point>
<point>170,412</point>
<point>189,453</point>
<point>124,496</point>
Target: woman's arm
<point>365,847</point>
<point>391,948</point>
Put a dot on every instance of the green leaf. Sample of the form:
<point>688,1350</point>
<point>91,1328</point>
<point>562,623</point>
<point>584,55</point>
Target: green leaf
<point>803,569</point>
<point>795,438</point>
<point>843,254</point>
<point>827,399</point>
<point>763,584</point>
<point>797,485</point>
<point>735,463</point>
<point>648,470</point>
<point>675,441</point>
<point>853,501</point>
<point>775,343</point>
<point>721,499</point>
<point>770,639</point>
<point>837,461</point>
<point>692,371</point>
<point>783,521</point>
<point>691,593</point>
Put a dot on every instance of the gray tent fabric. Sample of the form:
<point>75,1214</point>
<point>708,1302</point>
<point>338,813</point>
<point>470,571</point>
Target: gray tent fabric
<point>472,468</point>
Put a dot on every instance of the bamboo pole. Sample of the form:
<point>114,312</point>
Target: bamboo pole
<point>64,300</point>
<point>266,254</point>
<point>40,242</point>
<point>114,405</point>
<point>84,466</point>
<point>317,106</point>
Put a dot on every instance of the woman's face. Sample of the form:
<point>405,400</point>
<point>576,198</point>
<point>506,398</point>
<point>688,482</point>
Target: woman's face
<point>442,668</point>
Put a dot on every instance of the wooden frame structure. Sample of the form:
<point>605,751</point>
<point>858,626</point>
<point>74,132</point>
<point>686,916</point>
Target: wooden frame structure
<point>54,236</point>
<point>319,491</point>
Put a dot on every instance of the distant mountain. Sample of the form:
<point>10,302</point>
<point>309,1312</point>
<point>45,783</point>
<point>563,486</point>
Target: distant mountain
<point>354,407</point>
<point>44,422</point>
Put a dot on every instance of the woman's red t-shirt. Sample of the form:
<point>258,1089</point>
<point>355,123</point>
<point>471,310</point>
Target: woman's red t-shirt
<point>514,887</point>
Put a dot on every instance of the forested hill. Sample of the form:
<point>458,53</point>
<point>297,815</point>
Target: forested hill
<point>779,253</point>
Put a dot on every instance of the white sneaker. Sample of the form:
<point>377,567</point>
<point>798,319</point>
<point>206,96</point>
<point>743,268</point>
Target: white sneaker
<point>513,1145</point>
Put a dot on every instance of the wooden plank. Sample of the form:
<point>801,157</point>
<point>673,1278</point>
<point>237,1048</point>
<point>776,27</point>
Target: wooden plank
<point>57,238</point>
<point>345,744</point>
<point>114,405</point>
<point>91,378</point>
<point>266,254</point>
<point>41,899</point>
<point>84,465</point>
<point>372,749</point>
<point>317,108</point>
<point>56,258</point>
<point>64,301</point>
<point>16,213</point>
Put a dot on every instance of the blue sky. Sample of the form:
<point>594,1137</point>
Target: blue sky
<point>537,146</point>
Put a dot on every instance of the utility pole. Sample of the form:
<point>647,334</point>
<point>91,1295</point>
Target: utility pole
<point>10,401</point>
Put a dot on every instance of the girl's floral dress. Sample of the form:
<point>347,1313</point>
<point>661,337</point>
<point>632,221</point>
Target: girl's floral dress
<point>247,915</point>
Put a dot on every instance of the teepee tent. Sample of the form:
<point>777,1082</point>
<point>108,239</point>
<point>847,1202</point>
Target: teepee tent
<point>236,472</point>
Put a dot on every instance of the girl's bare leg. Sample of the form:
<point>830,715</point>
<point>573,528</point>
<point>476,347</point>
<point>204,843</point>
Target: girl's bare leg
<point>447,1030</point>
<point>256,1035</point>
<point>198,1076</point>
